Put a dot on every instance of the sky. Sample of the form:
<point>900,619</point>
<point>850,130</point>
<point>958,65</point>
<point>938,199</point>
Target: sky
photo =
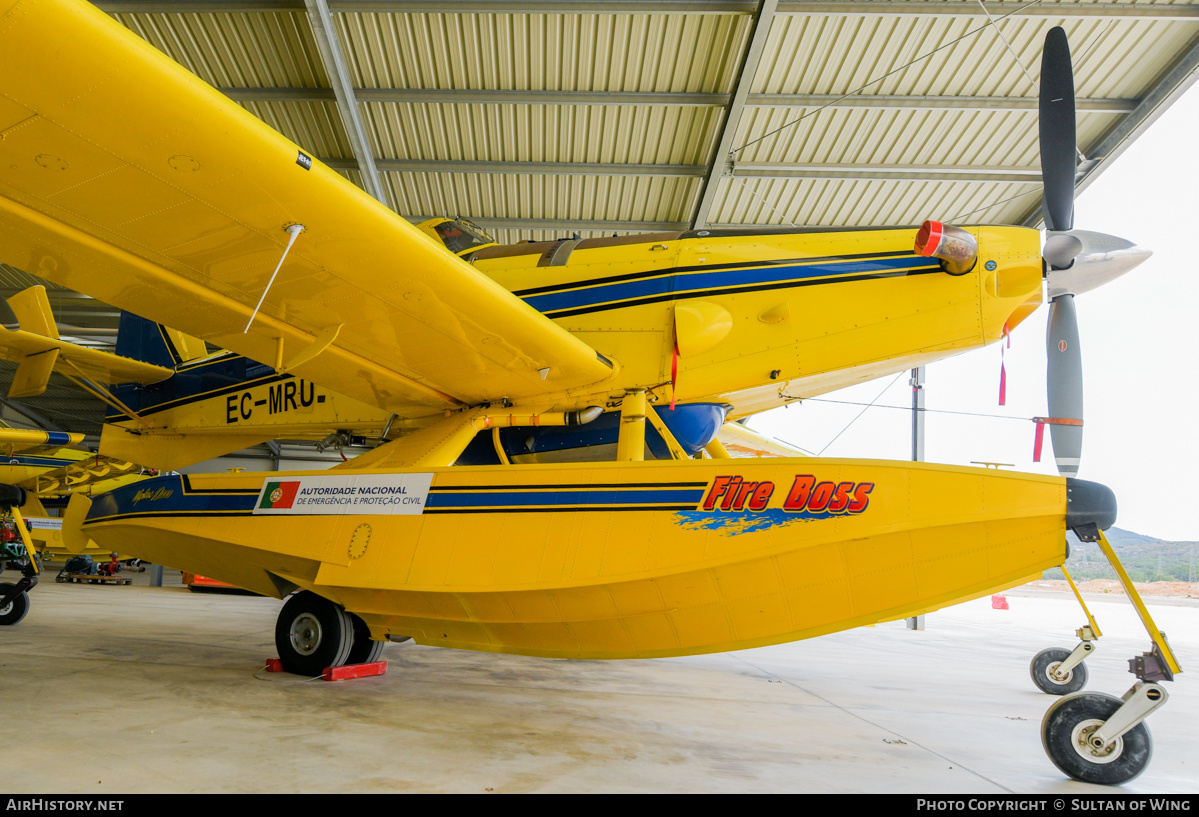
<point>1140,359</point>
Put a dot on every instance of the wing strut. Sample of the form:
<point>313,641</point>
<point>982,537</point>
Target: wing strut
<point>293,230</point>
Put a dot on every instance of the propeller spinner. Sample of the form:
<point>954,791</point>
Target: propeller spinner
<point>1075,260</point>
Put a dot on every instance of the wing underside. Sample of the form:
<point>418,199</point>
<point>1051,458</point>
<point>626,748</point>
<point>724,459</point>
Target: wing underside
<point>131,180</point>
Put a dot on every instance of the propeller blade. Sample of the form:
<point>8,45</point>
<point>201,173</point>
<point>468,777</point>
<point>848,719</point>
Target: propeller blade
<point>1057,132</point>
<point>1064,383</point>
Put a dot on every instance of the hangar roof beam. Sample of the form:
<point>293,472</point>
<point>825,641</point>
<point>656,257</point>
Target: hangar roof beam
<point>871,8</point>
<point>927,173</point>
<point>689,100</point>
<point>924,8</point>
<point>723,156</point>
<point>570,225</point>
<point>321,21</point>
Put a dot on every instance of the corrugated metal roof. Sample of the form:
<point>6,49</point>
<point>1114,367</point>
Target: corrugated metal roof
<point>482,196</point>
<point>315,125</point>
<point>652,86</point>
<point>559,52</point>
<point>541,133</point>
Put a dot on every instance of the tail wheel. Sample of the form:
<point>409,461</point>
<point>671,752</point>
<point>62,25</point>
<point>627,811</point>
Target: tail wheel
<point>16,609</point>
<point>1046,662</point>
<point>1071,721</point>
<point>364,650</point>
<point>313,633</point>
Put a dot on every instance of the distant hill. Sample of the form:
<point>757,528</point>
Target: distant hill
<point>1146,559</point>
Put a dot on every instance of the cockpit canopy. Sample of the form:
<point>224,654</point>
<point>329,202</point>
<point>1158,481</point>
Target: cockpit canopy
<point>457,234</point>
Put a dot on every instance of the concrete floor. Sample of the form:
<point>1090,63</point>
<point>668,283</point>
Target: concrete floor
<point>140,689</point>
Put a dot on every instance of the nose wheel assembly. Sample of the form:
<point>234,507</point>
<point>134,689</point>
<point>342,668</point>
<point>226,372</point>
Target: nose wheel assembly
<point>1058,671</point>
<point>1093,737</point>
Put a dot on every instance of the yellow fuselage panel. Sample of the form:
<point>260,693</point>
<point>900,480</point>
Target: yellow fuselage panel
<point>814,310</point>
<point>788,315</point>
<point>607,560</point>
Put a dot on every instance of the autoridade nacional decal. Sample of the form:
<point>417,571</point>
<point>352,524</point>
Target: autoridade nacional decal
<point>332,495</point>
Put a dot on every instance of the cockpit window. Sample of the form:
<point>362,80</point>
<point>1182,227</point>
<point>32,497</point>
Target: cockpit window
<point>460,236</point>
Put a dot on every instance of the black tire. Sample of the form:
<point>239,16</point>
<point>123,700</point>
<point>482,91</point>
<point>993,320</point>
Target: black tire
<point>312,633</point>
<point>1045,662</point>
<point>1070,720</point>
<point>364,650</point>
<point>16,609</point>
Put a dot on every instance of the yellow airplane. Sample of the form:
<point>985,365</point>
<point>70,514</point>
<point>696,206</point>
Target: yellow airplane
<point>49,464</point>
<point>26,455</point>
<point>36,465</point>
<point>46,467</point>
<point>177,205</point>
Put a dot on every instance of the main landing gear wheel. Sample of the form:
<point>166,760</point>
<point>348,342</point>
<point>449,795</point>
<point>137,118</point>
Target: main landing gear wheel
<point>313,633</point>
<point>1046,662</point>
<point>364,650</point>
<point>1071,721</point>
<point>16,609</point>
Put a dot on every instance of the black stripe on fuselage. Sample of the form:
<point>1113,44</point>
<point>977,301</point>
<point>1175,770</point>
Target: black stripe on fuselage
<point>735,290</point>
<point>776,262</point>
<point>426,512</point>
<point>558,509</point>
<point>578,487</point>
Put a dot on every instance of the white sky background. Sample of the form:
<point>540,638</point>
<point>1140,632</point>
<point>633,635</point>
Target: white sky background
<point>1139,348</point>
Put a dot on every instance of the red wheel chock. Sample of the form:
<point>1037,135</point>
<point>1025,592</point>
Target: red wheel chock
<point>354,671</point>
<point>338,673</point>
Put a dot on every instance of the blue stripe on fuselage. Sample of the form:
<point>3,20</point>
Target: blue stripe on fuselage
<point>210,378</point>
<point>563,497</point>
<point>706,279</point>
<point>165,496</point>
<point>34,460</point>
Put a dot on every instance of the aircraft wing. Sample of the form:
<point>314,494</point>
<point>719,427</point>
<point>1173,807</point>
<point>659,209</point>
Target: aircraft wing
<point>127,178</point>
<point>42,462</point>
<point>73,359</point>
<point>36,346</point>
<point>89,470</point>
<point>28,441</point>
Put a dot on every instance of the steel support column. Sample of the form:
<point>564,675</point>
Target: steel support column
<point>347,104</point>
<point>917,384</point>
<point>722,159</point>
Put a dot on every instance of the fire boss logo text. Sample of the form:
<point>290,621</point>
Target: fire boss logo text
<point>806,494</point>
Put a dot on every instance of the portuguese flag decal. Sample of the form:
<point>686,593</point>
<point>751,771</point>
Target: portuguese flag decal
<point>278,495</point>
